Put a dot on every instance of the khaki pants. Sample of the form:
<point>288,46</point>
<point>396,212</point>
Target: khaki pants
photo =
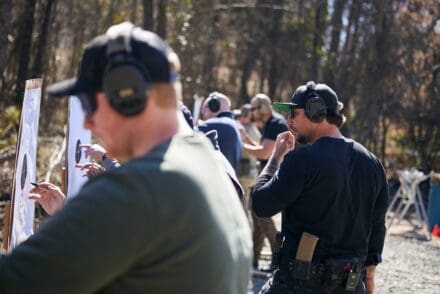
<point>261,227</point>
<point>264,227</point>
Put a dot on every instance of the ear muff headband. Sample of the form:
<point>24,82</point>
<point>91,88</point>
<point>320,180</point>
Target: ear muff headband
<point>315,107</point>
<point>125,80</point>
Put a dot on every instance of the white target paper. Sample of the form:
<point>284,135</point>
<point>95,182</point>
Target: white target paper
<point>197,108</point>
<point>25,168</point>
<point>76,135</point>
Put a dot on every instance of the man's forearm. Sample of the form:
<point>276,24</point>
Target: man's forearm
<point>271,167</point>
<point>248,140</point>
<point>369,278</point>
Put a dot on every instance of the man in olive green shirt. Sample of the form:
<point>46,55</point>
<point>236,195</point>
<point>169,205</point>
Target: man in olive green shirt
<point>167,221</point>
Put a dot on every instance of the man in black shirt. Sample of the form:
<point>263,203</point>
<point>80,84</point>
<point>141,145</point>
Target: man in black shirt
<point>333,188</point>
<point>271,124</point>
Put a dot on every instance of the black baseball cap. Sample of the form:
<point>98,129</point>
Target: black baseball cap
<point>147,48</point>
<point>303,92</point>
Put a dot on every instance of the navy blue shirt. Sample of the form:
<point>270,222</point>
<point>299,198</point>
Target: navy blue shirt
<point>229,138</point>
<point>335,189</point>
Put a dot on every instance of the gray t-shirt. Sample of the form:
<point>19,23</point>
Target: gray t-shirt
<point>168,222</point>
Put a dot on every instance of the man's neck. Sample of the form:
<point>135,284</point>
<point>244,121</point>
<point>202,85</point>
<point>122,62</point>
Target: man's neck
<point>225,114</point>
<point>150,132</point>
<point>327,131</point>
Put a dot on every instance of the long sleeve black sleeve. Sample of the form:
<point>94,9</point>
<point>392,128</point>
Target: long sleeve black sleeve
<point>272,194</point>
<point>378,229</point>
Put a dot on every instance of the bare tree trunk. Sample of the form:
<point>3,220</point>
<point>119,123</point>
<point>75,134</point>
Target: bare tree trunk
<point>321,11</point>
<point>350,45</point>
<point>246,72</point>
<point>210,56</point>
<point>275,60</point>
<point>148,20</point>
<point>24,52</point>
<point>109,18</point>
<point>96,14</point>
<point>162,19</point>
<point>5,25</point>
<point>336,27</point>
<point>251,52</point>
<point>385,126</point>
<point>133,14</point>
<point>37,68</point>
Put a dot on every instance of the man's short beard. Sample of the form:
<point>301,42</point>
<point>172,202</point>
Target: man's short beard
<point>302,139</point>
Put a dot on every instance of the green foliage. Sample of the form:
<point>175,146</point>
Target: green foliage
<point>8,126</point>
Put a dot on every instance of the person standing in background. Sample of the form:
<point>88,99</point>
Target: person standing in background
<point>272,124</point>
<point>217,115</point>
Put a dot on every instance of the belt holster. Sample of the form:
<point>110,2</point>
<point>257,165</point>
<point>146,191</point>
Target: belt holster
<point>343,272</point>
<point>302,265</point>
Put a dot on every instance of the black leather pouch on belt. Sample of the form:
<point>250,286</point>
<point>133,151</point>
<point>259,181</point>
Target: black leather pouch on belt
<point>345,271</point>
<point>276,255</point>
<point>302,265</point>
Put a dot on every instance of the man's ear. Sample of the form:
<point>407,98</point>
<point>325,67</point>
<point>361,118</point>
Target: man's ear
<point>264,108</point>
<point>101,100</point>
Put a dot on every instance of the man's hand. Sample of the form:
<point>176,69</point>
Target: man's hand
<point>369,278</point>
<point>95,151</point>
<point>285,142</point>
<point>91,169</point>
<point>49,196</point>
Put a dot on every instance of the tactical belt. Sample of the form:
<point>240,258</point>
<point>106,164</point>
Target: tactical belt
<point>331,271</point>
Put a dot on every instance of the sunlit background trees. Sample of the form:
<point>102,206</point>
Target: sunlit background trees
<point>382,57</point>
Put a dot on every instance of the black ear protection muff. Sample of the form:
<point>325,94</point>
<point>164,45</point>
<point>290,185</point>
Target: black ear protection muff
<point>315,107</point>
<point>214,103</point>
<point>125,80</point>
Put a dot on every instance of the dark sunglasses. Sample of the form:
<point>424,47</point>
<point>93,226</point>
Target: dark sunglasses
<point>88,102</point>
<point>291,113</point>
<point>255,108</point>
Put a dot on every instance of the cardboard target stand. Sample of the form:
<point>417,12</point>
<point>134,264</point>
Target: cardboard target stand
<point>19,213</point>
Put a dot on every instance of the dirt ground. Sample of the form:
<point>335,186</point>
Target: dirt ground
<point>411,263</point>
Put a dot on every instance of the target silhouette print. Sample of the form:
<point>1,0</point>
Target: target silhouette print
<point>78,151</point>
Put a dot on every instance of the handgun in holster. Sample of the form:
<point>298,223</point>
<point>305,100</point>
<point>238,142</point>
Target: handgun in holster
<point>302,265</point>
<point>276,254</point>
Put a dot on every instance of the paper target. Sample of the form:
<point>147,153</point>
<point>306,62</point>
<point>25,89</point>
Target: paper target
<point>76,136</point>
<point>22,219</point>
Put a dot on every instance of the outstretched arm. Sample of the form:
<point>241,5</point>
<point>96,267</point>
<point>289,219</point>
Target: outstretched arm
<point>262,151</point>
